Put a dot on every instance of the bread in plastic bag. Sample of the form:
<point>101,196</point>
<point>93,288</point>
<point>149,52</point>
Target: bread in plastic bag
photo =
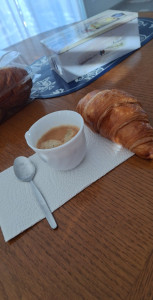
<point>15,84</point>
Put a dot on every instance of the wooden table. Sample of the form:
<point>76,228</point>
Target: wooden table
<point>103,248</point>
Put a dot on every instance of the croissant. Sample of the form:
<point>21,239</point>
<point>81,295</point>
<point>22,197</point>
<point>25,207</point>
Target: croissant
<point>118,116</point>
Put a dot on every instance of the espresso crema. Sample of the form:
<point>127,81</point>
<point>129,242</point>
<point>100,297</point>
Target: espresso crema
<point>57,136</point>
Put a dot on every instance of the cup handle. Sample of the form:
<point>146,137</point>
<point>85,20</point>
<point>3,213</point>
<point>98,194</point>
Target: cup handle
<point>26,135</point>
<point>42,156</point>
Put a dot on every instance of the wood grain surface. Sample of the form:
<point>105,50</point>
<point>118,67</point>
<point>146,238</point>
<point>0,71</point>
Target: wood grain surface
<point>103,248</point>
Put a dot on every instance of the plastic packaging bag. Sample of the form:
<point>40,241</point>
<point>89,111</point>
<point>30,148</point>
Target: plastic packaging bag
<point>15,84</point>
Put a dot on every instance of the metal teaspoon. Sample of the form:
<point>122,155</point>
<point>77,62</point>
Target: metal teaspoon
<point>25,170</point>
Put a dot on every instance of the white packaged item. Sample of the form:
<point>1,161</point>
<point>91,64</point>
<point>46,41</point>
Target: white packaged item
<point>80,48</point>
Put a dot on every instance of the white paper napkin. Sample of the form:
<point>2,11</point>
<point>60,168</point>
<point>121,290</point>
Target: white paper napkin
<point>19,209</point>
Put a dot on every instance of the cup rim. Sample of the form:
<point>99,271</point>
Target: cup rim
<point>63,145</point>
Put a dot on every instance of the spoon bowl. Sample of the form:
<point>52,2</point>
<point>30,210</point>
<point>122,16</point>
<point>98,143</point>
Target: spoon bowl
<point>24,169</point>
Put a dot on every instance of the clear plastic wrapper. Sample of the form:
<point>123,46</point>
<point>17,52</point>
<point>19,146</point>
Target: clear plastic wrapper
<point>16,81</point>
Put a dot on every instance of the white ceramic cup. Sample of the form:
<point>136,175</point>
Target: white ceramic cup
<point>68,155</point>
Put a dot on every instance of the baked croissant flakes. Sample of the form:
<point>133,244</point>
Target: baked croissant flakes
<point>119,117</point>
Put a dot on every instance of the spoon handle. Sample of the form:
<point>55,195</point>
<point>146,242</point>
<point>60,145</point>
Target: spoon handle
<point>44,206</point>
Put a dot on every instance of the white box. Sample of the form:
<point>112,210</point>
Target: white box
<point>82,47</point>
